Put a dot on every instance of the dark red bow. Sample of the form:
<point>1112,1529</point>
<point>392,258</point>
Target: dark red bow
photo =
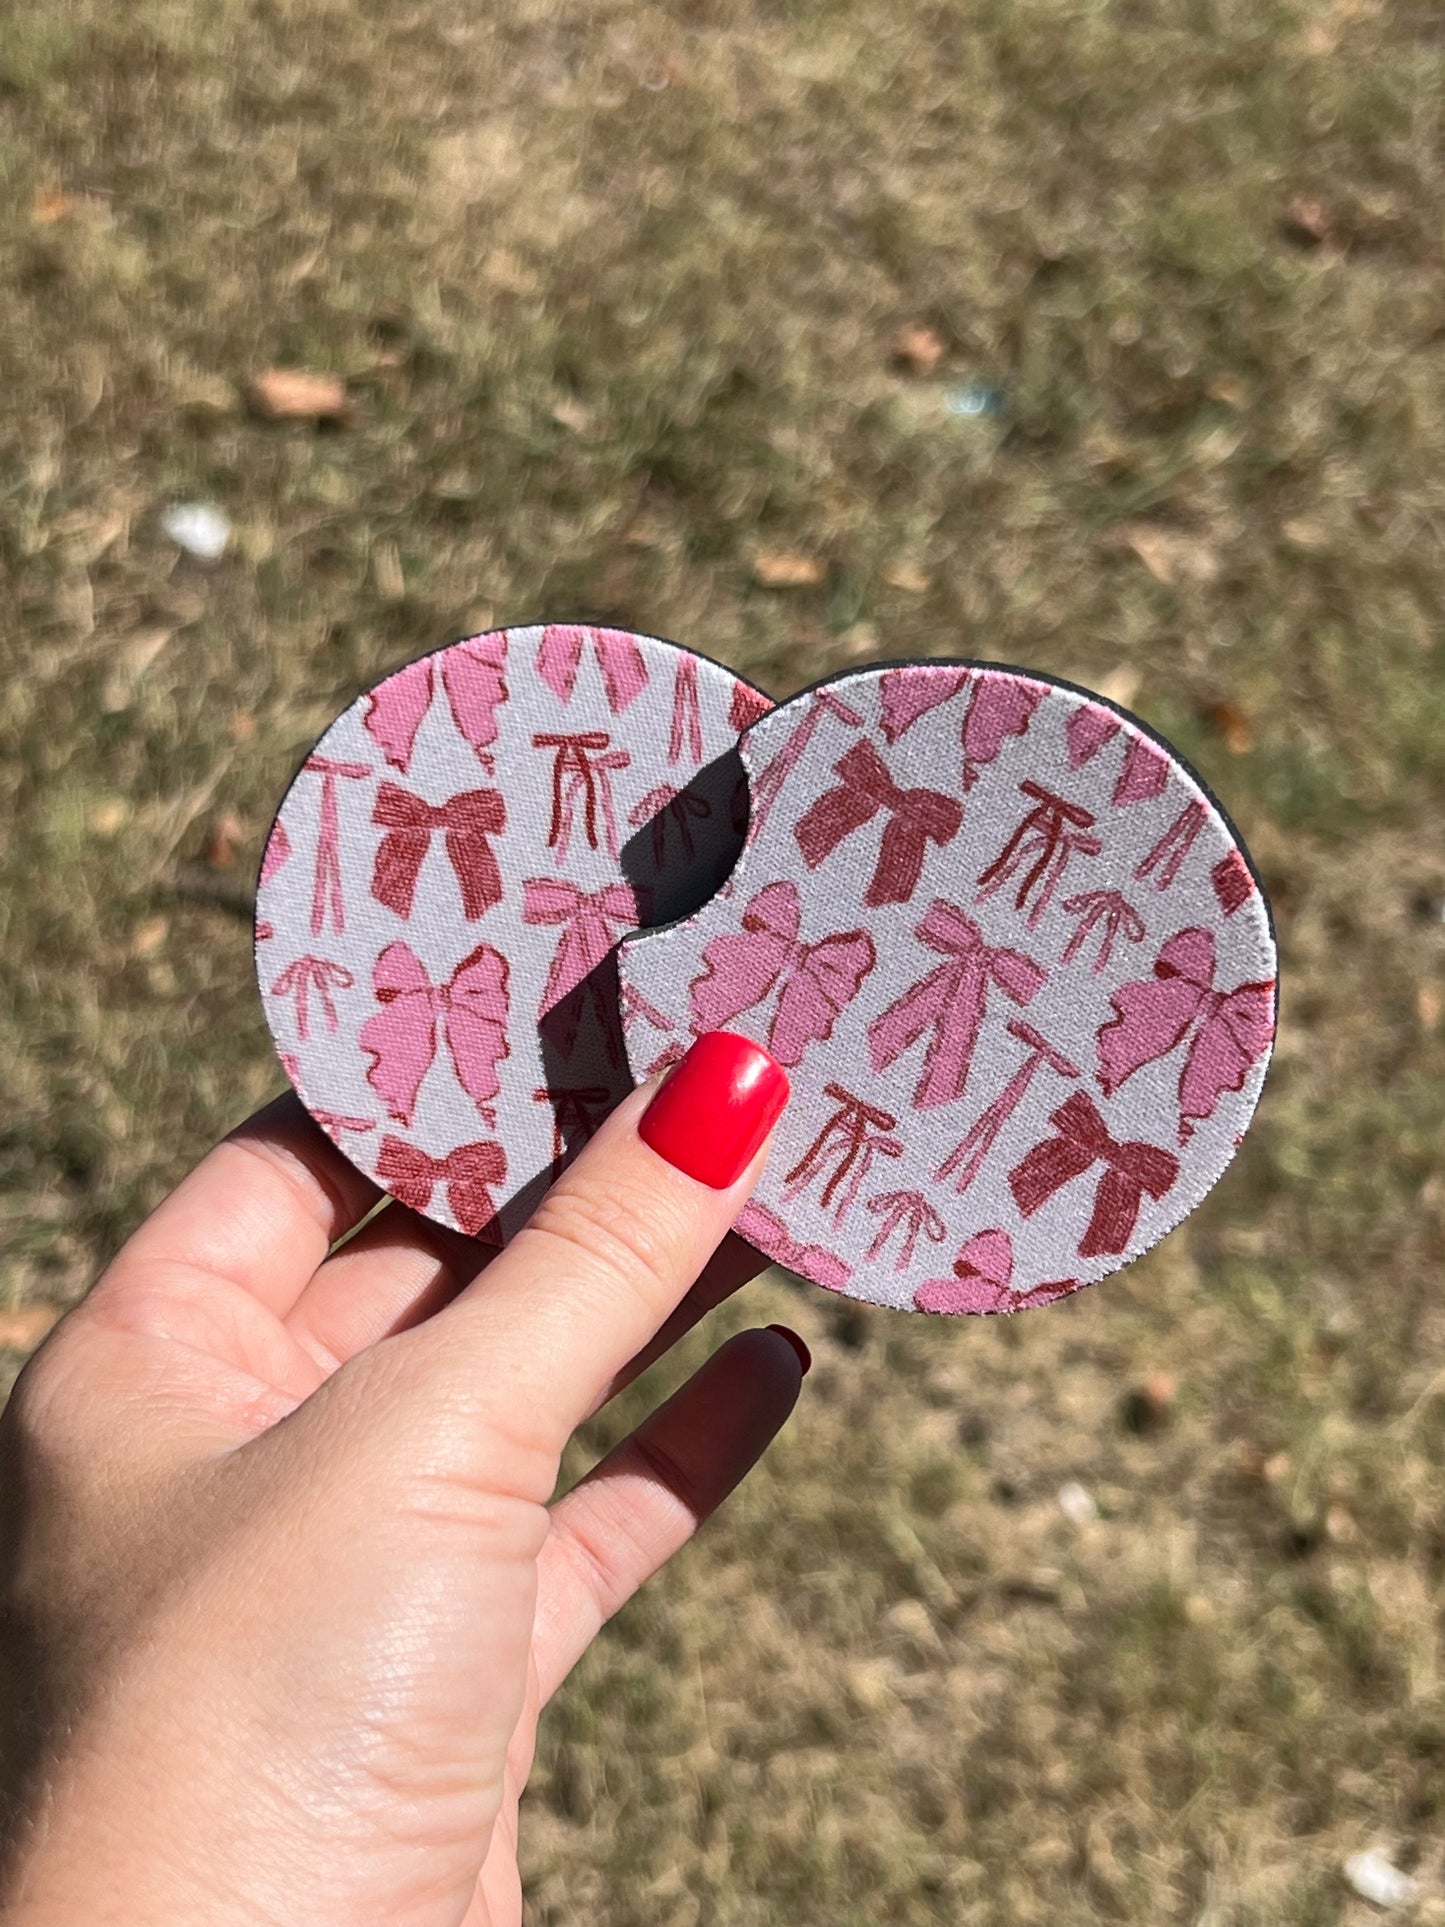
<point>468,1172</point>
<point>916,818</point>
<point>410,822</point>
<point>1083,1139</point>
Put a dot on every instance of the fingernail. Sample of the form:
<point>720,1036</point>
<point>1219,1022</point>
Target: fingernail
<point>713,1115</point>
<point>805,1357</point>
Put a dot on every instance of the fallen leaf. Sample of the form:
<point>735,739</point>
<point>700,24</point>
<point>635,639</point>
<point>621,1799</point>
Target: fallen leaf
<point>910,580</point>
<point>571,414</point>
<point>1307,220</point>
<point>223,841</point>
<point>918,349</point>
<point>22,1329</point>
<point>149,936</point>
<point>785,569</point>
<point>243,726</point>
<point>1121,685</point>
<point>1149,1405</point>
<point>106,818</point>
<point>50,205</point>
<point>1429,1005</point>
<point>1233,725</point>
<point>386,572</point>
<point>1228,389</point>
<point>1303,533</point>
<point>294,394</point>
<point>1170,556</point>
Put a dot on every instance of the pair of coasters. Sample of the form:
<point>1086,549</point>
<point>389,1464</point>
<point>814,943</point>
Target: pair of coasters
<point>1012,955</point>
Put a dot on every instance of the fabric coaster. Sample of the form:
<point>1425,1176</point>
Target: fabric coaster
<point>1017,965</point>
<point>446,881</point>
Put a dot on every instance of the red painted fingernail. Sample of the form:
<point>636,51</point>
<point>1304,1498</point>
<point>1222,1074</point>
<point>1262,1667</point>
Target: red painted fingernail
<point>712,1116</point>
<point>805,1357</point>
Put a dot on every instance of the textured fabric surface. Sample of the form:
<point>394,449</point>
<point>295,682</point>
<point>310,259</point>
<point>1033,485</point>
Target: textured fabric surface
<point>445,884</point>
<point>1018,968</point>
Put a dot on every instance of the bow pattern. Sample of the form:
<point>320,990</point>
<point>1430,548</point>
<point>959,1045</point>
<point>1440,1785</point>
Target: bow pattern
<point>916,817</point>
<point>409,822</point>
<point>468,1173</point>
<point>818,980</point>
<point>1082,1140</point>
<point>620,661</point>
<point>471,675</point>
<point>470,1011</point>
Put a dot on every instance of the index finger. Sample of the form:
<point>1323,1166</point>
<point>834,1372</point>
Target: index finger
<point>614,1246</point>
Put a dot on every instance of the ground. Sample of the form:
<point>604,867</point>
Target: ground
<point>1101,336</point>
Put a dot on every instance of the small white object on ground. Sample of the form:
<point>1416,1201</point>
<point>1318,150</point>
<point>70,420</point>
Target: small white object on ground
<point>1374,1878</point>
<point>200,528</point>
<point>1077,1503</point>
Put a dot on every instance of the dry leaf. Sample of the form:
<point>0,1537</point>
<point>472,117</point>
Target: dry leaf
<point>1429,1005</point>
<point>1303,533</point>
<point>1121,685</point>
<point>106,818</point>
<point>1170,556</point>
<point>293,394</point>
<point>50,205</point>
<point>223,841</point>
<point>918,349</point>
<point>1307,220</point>
<point>785,569</point>
<point>1228,389</point>
<point>386,572</point>
<point>149,936</point>
<point>571,414</point>
<point>1233,725</point>
<point>243,726</point>
<point>907,578</point>
<point>22,1329</point>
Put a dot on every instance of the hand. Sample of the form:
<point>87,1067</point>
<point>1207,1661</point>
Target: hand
<point>283,1585</point>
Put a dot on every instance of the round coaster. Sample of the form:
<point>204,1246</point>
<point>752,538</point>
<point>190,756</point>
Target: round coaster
<point>445,884</point>
<point>1019,969</point>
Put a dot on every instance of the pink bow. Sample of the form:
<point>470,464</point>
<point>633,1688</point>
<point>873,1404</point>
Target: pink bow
<point>1230,1029</point>
<point>470,1010</point>
<point>914,1213</point>
<point>852,1135</point>
<point>559,656</point>
<point>1001,706</point>
<point>1232,880</point>
<point>766,1230</point>
<point>1111,909</point>
<point>950,1002</point>
<point>912,692</point>
<point>981,1281</point>
<point>577,1110</point>
<point>328,841</point>
<point>916,818</point>
<point>768,784</point>
<point>409,822</point>
<point>308,974</point>
<point>471,674</point>
<point>1053,831</point>
<point>1168,854</point>
<point>967,1159</point>
<point>745,706</point>
<point>591,924</point>
<point>818,979</point>
<point>686,715</point>
<point>468,1173</point>
<point>582,767</point>
<point>665,805</point>
<point>1083,1140</point>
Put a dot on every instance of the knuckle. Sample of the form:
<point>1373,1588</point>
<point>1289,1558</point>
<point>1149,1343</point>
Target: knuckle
<point>626,1239</point>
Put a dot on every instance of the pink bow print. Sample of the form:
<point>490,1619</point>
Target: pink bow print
<point>819,980</point>
<point>471,674</point>
<point>1168,854</point>
<point>1228,1029</point>
<point>468,1173</point>
<point>409,822</point>
<point>854,1135</point>
<point>767,785</point>
<point>305,976</point>
<point>559,656</point>
<point>326,889</point>
<point>590,924</point>
<point>470,1010</point>
<point>910,693</point>
<point>916,818</point>
<point>766,1230</point>
<point>950,1002</point>
<point>910,1210</point>
<point>1053,831</point>
<point>686,714</point>
<point>663,806</point>
<point>1001,706</point>
<point>1108,907</point>
<point>981,1281</point>
<point>582,767</point>
<point>1130,1170</point>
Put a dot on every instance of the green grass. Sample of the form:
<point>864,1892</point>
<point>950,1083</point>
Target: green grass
<point>615,295</point>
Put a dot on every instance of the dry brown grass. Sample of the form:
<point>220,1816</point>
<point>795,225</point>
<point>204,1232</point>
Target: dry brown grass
<point>615,293</point>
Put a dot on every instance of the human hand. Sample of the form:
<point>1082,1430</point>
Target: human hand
<point>283,1588</point>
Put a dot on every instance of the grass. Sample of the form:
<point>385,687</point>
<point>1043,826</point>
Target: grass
<point>615,294</point>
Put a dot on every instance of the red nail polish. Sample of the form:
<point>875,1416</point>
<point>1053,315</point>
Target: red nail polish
<point>805,1357</point>
<point>712,1115</point>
